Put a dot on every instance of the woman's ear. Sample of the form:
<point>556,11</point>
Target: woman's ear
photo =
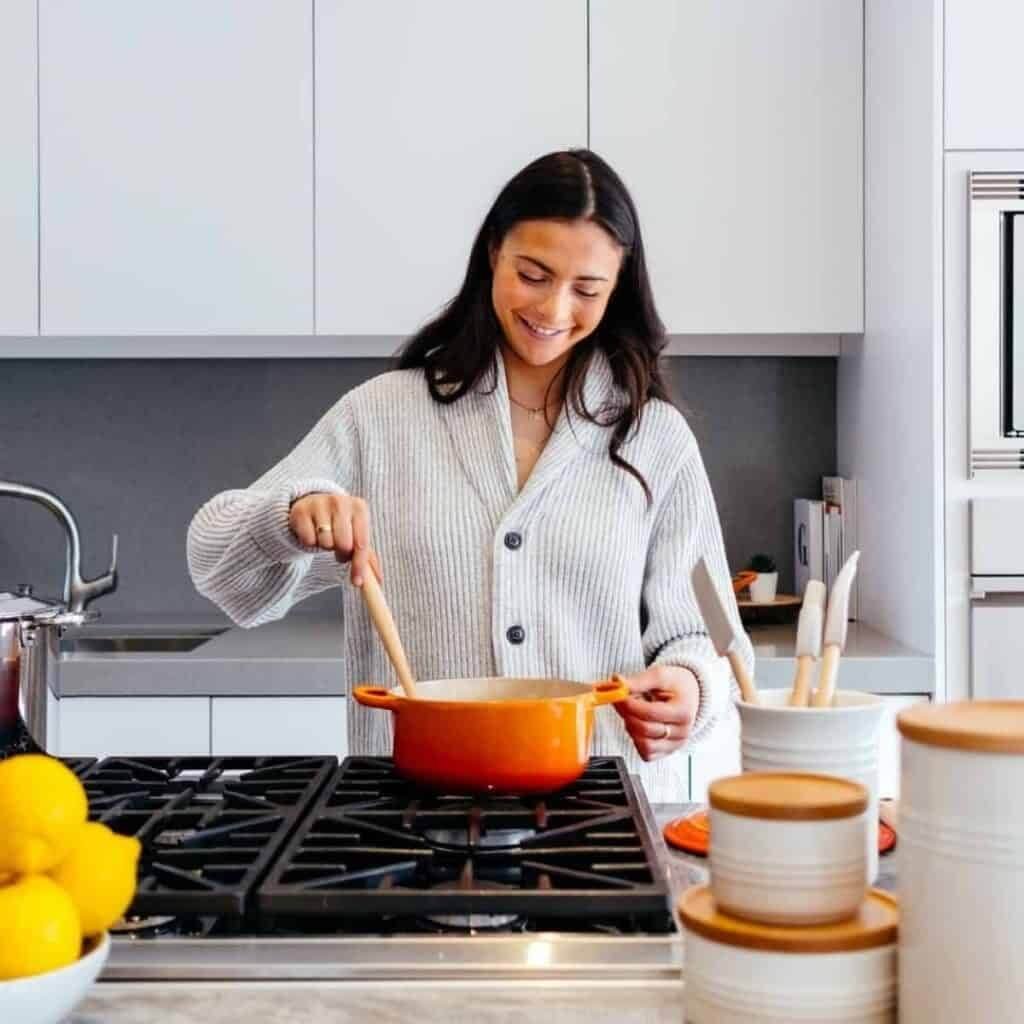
<point>492,255</point>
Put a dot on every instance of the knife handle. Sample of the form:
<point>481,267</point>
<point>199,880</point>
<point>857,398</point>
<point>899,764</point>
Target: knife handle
<point>801,695</point>
<point>739,670</point>
<point>827,679</point>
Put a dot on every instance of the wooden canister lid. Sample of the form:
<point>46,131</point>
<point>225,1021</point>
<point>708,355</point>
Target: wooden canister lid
<point>788,796</point>
<point>876,924</point>
<point>988,726</point>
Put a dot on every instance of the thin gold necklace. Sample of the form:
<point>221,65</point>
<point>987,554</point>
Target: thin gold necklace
<point>534,413</point>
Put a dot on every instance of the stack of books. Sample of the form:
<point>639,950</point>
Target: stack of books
<point>825,535</point>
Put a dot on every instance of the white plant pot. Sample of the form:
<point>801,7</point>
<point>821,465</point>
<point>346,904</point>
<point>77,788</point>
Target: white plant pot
<point>762,590</point>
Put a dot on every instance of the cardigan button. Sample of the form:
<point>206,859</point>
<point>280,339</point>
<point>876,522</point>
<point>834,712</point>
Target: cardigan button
<point>516,634</point>
<point>513,541</point>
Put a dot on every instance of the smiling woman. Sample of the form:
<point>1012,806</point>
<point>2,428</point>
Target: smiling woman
<point>536,500</point>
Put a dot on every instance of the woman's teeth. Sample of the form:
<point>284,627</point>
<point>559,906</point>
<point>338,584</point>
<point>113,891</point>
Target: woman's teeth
<point>541,332</point>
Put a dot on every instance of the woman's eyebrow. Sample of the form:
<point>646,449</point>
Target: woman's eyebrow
<point>548,270</point>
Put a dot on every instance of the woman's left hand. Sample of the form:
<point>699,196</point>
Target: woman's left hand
<point>660,711</point>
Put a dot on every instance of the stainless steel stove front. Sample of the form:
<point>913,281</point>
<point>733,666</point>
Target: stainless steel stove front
<point>450,957</point>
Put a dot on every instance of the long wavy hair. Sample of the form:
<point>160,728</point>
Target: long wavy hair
<point>461,345</point>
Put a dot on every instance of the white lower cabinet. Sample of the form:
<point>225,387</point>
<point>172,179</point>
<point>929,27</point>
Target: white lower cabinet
<point>889,744</point>
<point>718,757</point>
<point>141,726</point>
<point>279,725</point>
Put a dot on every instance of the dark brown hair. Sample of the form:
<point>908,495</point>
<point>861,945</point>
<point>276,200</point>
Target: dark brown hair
<point>460,346</point>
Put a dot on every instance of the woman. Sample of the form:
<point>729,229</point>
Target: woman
<point>536,500</point>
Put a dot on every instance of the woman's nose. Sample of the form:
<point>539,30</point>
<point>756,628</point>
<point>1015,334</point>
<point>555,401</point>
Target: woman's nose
<point>556,307</point>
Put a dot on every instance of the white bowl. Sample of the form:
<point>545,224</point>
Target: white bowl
<point>48,998</point>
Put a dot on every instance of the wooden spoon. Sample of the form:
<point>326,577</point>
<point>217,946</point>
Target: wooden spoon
<point>385,626</point>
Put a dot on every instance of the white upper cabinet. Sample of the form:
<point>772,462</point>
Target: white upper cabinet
<point>984,74</point>
<point>19,310</point>
<point>424,108</point>
<point>176,181</point>
<point>737,125</point>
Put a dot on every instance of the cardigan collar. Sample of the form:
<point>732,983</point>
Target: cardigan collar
<point>480,424</point>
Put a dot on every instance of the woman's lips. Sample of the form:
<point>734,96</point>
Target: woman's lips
<point>544,334</point>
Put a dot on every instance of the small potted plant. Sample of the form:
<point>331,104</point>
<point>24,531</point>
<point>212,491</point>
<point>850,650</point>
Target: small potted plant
<point>762,589</point>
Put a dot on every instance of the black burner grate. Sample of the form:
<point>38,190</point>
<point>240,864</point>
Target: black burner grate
<point>79,765</point>
<point>376,845</point>
<point>209,826</point>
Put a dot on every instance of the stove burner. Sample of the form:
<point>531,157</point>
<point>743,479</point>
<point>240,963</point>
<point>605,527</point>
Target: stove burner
<point>473,921</point>
<point>465,839</point>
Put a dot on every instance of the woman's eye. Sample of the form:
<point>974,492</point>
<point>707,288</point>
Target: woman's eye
<point>587,295</point>
<point>531,280</point>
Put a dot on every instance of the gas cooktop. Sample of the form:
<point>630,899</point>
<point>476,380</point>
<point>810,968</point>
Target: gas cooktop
<point>278,867</point>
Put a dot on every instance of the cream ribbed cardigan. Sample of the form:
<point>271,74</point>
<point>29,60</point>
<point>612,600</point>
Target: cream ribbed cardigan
<point>598,584</point>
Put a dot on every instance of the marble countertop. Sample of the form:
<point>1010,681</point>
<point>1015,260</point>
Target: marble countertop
<point>302,655</point>
<point>271,1002</point>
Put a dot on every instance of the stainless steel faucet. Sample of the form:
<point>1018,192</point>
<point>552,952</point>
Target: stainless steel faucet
<point>77,592</point>
<point>32,639</point>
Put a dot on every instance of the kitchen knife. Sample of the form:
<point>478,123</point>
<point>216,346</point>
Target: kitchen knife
<point>808,642</point>
<point>835,633</point>
<point>720,628</point>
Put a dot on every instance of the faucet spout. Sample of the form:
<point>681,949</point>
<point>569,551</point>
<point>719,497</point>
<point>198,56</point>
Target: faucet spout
<point>77,591</point>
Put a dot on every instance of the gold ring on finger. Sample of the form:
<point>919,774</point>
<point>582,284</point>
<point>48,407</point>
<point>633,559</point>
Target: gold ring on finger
<point>323,528</point>
<point>666,731</point>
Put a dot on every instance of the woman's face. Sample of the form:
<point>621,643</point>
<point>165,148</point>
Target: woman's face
<point>552,282</point>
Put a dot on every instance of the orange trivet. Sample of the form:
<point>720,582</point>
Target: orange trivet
<point>886,837</point>
<point>693,833</point>
<point>690,833</point>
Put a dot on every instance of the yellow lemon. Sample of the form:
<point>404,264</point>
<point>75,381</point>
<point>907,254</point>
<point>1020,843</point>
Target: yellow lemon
<point>42,807</point>
<point>99,875</point>
<point>39,929</point>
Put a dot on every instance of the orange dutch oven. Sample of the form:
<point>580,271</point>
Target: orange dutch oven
<point>497,735</point>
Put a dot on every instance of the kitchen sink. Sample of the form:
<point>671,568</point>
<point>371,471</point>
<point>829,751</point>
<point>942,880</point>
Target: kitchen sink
<point>138,643</point>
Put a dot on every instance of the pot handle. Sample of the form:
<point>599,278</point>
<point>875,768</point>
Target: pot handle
<point>610,691</point>
<point>376,697</point>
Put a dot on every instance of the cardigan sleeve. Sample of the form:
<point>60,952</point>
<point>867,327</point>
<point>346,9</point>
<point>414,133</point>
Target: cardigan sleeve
<point>242,554</point>
<point>686,529</point>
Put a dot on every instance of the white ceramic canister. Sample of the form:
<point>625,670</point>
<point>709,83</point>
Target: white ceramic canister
<point>739,972</point>
<point>788,848</point>
<point>838,740</point>
<point>962,862</point>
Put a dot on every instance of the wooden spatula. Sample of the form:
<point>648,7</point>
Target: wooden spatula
<point>380,613</point>
<point>835,633</point>
<point>808,642</point>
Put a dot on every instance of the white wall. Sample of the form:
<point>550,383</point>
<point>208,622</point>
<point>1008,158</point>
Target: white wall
<point>890,380</point>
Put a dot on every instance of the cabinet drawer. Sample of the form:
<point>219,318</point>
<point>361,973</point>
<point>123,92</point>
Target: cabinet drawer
<point>141,726</point>
<point>279,725</point>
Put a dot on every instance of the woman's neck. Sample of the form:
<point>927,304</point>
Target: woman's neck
<point>532,385</point>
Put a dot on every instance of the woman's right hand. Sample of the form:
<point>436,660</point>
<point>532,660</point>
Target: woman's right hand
<point>338,523</point>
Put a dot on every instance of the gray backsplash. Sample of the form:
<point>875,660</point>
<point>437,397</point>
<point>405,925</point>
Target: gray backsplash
<point>136,446</point>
